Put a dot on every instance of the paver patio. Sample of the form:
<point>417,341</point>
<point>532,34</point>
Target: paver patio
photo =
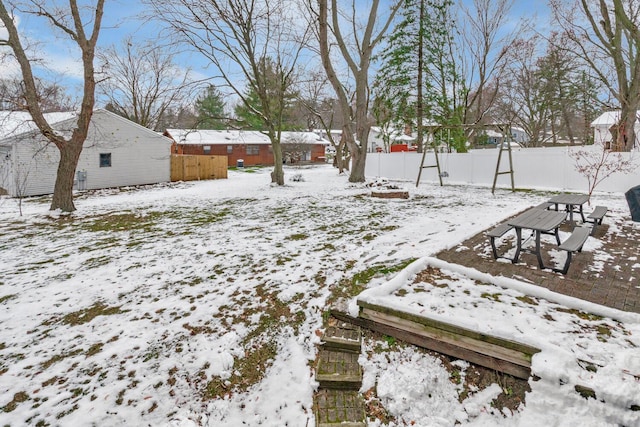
<point>612,280</point>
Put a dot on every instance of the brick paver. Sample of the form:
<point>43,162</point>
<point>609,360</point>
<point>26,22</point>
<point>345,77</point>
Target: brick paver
<point>612,280</point>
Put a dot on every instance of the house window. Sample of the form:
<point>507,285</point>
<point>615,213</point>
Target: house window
<point>206,149</point>
<point>105,160</point>
<point>229,149</point>
<point>253,150</point>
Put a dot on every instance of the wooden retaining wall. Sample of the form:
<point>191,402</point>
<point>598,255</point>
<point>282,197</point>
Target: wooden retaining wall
<point>190,168</point>
<point>500,354</point>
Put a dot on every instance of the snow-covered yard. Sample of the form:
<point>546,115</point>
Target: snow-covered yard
<point>200,303</point>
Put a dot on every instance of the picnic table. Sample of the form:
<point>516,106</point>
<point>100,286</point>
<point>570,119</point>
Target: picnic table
<point>539,221</point>
<point>573,203</point>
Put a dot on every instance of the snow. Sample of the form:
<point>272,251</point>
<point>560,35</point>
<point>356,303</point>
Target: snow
<point>17,122</point>
<point>190,278</point>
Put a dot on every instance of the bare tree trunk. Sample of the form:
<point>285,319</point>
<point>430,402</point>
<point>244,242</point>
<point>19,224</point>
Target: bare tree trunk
<point>277,176</point>
<point>358,63</point>
<point>63,189</point>
<point>567,121</point>
<point>69,148</point>
<point>623,132</point>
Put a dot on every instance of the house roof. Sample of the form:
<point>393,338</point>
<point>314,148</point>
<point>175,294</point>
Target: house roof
<point>302,138</point>
<point>225,137</point>
<point>217,137</point>
<point>14,123</point>
<point>609,118</point>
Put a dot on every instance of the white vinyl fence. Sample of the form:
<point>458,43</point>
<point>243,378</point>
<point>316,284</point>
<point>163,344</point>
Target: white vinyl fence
<point>534,168</point>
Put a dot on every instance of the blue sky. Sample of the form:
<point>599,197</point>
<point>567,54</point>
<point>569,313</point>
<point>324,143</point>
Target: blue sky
<point>121,19</point>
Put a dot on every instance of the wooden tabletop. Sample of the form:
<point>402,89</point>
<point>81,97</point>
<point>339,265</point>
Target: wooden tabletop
<point>570,199</point>
<point>538,219</point>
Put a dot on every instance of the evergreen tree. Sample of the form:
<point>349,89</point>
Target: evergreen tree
<point>250,113</point>
<point>419,74</point>
<point>210,109</point>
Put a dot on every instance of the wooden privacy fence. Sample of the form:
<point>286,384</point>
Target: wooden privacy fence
<point>190,168</point>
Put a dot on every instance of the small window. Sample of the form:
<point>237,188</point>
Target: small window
<point>253,150</point>
<point>105,160</point>
<point>206,149</point>
<point>229,149</point>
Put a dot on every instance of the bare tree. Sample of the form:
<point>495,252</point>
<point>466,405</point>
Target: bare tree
<point>257,42</point>
<point>51,96</point>
<point>74,22</point>
<point>596,164</point>
<point>357,56</point>
<point>484,51</point>
<point>143,81</point>
<point>606,35</point>
<point>323,111</point>
<point>522,99</point>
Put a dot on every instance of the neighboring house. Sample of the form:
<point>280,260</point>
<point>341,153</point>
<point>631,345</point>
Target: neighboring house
<point>117,153</point>
<point>384,139</point>
<point>518,137</point>
<point>303,147</point>
<point>601,125</point>
<point>250,148</point>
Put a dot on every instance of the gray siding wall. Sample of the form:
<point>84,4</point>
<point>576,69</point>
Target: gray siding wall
<point>138,156</point>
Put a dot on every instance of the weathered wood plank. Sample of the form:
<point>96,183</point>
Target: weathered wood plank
<point>450,349</point>
<point>460,340</point>
<point>349,340</point>
<point>450,328</point>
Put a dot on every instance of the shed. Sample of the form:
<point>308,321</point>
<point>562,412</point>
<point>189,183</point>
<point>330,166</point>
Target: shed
<point>601,125</point>
<point>117,152</point>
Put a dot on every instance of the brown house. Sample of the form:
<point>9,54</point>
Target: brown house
<point>249,147</point>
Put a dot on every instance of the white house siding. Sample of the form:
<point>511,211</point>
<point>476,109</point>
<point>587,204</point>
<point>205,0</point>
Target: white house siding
<point>602,125</point>
<point>5,169</point>
<point>138,156</point>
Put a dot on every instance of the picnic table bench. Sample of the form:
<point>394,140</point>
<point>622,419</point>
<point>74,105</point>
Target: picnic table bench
<point>499,231</point>
<point>573,244</point>
<point>597,216</point>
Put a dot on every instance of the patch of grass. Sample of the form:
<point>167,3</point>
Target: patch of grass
<point>96,262</point>
<point>369,237</point>
<point>298,236</point>
<point>59,357</point>
<point>19,397</point>
<point>247,371</point>
<point>326,247</point>
<point>85,315</point>
<point>604,333</point>
<point>494,297</point>
<point>581,314</point>
<point>260,345</point>
<point>349,288</point>
<point>121,222</point>
<point>365,276</point>
<point>94,349</point>
<point>246,169</point>
<point>199,217</point>
<point>283,260</point>
<point>527,300</point>
<point>7,298</point>
<point>190,281</point>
